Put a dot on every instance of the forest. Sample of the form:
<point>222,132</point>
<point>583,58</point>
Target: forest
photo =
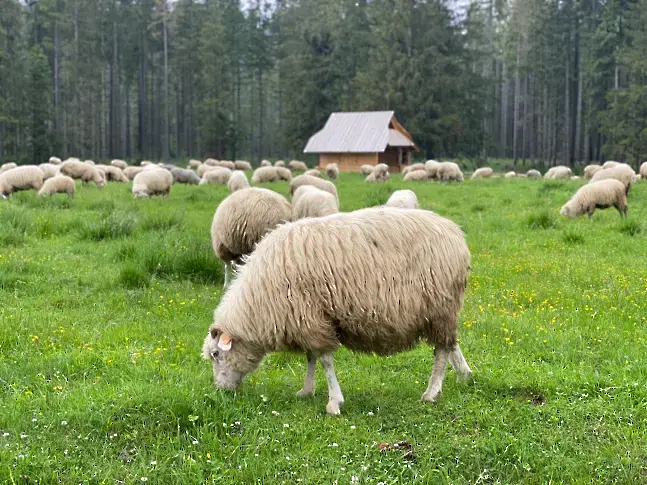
<point>534,81</point>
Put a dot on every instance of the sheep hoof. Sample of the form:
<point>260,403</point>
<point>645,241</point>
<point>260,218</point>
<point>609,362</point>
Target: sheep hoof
<point>333,408</point>
<point>431,396</point>
<point>306,393</point>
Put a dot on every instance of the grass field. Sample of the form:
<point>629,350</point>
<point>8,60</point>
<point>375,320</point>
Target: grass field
<point>105,302</point>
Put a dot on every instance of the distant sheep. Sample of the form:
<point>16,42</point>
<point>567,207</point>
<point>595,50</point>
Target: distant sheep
<point>313,172</point>
<point>533,174</point>
<point>309,201</point>
<point>120,164</point>
<point>131,171</point>
<point>49,170</point>
<point>237,181</point>
<point>242,219</point>
<point>194,164</point>
<point>298,166</point>
<point>204,168</point>
<point>211,162</point>
<point>590,171</point>
<point>304,179</point>
<point>380,173</point>
<point>366,170</point>
<point>25,177</point>
<point>510,175</point>
<point>332,171</point>
<point>242,165</point>
<point>432,168</point>
<point>266,163</point>
<point>483,172</point>
<point>89,162</point>
<point>184,176</point>
<point>145,163</point>
<point>416,175</point>
<point>152,182</point>
<point>597,195</point>
<point>283,173</point>
<point>412,168</point>
<point>218,175</point>
<point>112,173</point>
<point>279,163</point>
<point>7,166</point>
<point>265,174</point>
<point>375,280</point>
<point>643,171</point>
<point>82,171</point>
<point>558,172</point>
<point>60,184</point>
<point>621,172</point>
<point>449,172</point>
<point>226,164</point>
<point>55,160</point>
<point>610,164</point>
<point>403,199</point>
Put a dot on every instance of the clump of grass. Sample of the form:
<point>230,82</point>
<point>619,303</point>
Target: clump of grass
<point>542,220</point>
<point>573,238</point>
<point>13,274</point>
<point>133,276</point>
<point>631,228</point>
<point>15,224</point>
<point>161,221</point>
<point>478,208</point>
<point>56,202</point>
<point>550,186</point>
<point>378,195</point>
<point>126,251</point>
<point>192,261</point>
<point>114,226</point>
<point>103,206</point>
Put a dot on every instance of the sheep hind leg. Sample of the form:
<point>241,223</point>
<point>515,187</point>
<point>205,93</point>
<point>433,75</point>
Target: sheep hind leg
<point>458,362</point>
<point>309,384</point>
<point>335,397</point>
<point>435,387</point>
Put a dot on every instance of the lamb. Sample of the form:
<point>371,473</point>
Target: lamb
<point>313,172</point>
<point>242,165</point>
<point>643,171</point>
<point>237,181</point>
<point>597,195</point>
<point>152,182</point>
<point>25,177</point>
<point>60,184</point>
<point>266,163</point>
<point>403,199</point>
<point>184,176</point>
<point>533,174</point>
<point>7,166</point>
<point>83,171</point>
<point>610,164</point>
<point>55,160</point>
<point>558,172</point>
<point>621,172</point>
<point>304,179</point>
<point>194,164</point>
<point>131,171</point>
<point>332,171</point>
<point>590,170</point>
<point>241,221</point>
<point>120,164</point>
<point>309,201</point>
<point>416,175</point>
<point>483,172</point>
<point>366,170</point>
<point>283,173</point>
<point>112,173</point>
<point>510,175</point>
<point>413,168</point>
<point>432,168</point>
<point>449,171</point>
<point>264,174</point>
<point>217,175</point>
<point>49,170</point>
<point>279,163</point>
<point>298,166</point>
<point>399,278</point>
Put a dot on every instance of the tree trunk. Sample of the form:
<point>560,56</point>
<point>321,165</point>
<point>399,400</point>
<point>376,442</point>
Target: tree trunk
<point>504,111</point>
<point>517,91</point>
<point>567,108</point>
<point>167,118</point>
<point>260,113</point>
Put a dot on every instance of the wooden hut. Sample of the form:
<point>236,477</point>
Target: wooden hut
<point>355,139</point>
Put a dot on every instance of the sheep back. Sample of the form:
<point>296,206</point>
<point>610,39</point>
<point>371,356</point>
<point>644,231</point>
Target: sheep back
<point>25,177</point>
<point>265,174</point>
<point>483,172</point>
<point>413,175</point>
<point>332,171</point>
<point>403,199</point>
<point>309,201</point>
<point>321,184</point>
<point>620,172</point>
<point>59,184</point>
<point>237,181</point>
<point>217,175</point>
<point>152,182</point>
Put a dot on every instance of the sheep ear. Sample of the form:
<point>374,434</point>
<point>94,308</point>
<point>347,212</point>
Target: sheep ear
<point>214,331</point>
<point>224,343</point>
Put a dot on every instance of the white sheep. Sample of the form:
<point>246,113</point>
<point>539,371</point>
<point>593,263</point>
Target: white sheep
<point>89,162</point>
<point>610,164</point>
<point>448,172</point>
<point>510,175</point>
<point>431,166</point>
<point>366,170</point>
<point>217,175</point>
<point>279,163</point>
<point>120,164</point>
<point>643,171</point>
<point>59,184</point>
<point>211,162</point>
<point>204,168</point>
<point>332,171</point>
<point>533,174</point>
<point>145,163</point>
<point>298,166</point>
<point>25,177</point>
<point>597,195</point>
<point>152,182</point>
<point>112,173</point>
<point>242,165</point>
<point>194,164</point>
<point>413,168</point>
<point>265,174</point>
<point>226,164</point>
<point>621,172</point>
<point>375,280</point>
<point>416,175</point>
<point>49,170</point>
<point>483,172</point>
<point>313,172</point>
<point>403,199</point>
<point>283,173</point>
<point>590,170</point>
<point>82,171</point>
<point>7,166</point>
<point>242,219</point>
<point>558,172</point>
<point>131,171</point>
<point>55,160</point>
<point>237,181</point>
<point>266,163</point>
<point>309,201</point>
<point>380,173</point>
<point>321,184</point>
<point>184,176</point>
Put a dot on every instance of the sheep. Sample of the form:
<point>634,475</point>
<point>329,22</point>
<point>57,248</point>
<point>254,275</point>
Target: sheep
<point>558,172</point>
<point>483,172</point>
<point>590,171</point>
<point>237,181</point>
<point>211,162</point>
<point>304,179</point>
<point>610,164</point>
<point>298,166</point>
<point>283,173</point>
<point>86,173</point>
<point>72,159</point>
<point>131,171</point>
<point>145,163</point>
<point>152,182</point>
<point>366,170</point>
<point>643,171</point>
<point>204,168</point>
<point>416,175</point>
<point>309,201</point>
<point>621,172</point>
<point>242,165</point>
<point>403,199</point>
<point>431,166</point>
<point>265,174</point>
<point>194,164</point>
<point>279,163</point>
<point>449,171</point>
<point>55,160</point>
<point>89,162</point>
<point>380,173</point>
<point>597,195</point>
<point>242,219</point>
<point>332,171</point>
<point>313,172</point>
<point>510,175</point>
<point>7,166</point>
<point>637,178</point>
<point>49,170</point>
<point>60,184</point>
<point>226,164</point>
<point>375,280</point>
<point>266,163</point>
<point>413,168</point>
<point>184,176</point>
<point>120,164</point>
<point>25,177</point>
<point>217,175</point>
<point>533,174</point>
<point>112,173</point>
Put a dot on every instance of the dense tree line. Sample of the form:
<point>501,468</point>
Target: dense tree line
<point>540,80</point>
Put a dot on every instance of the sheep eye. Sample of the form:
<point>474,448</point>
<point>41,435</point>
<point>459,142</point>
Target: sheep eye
<point>215,353</point>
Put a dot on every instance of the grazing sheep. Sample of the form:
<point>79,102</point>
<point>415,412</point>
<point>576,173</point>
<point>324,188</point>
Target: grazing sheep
<point>237,181</point>
<point>610,164</point>
<point>483,172</point>
<point>211,162</point>
<point>621,172</point>
<point>55,160</point>
<point>242,165</point>
<point>366,170</point>
<point>403,199</point>
<point>558,172</point>
<point>380,173</point>
<point>204,168</point>
<point>60,184</point>
<point>152,182</point>
<point>510,175</point>
<point>332,171</point>
<point>217,175</point>
<point>112,173</point>
<point>120,164</point>
<point>89,162</point>
<point>265,174</point>
<point>313,172</point>
<point>26,177</point>
<point>309,201</point>
<point>597,195</point>
<point>49,170</point>
<point>432,168</point>
<point>7,166</point>
<point>298,166</point>
<point>590,171</point>
<point>145,163</point>
<point>82,171</point>
<point>266,163</point>
<point>533,174</point>
<point>131,171</point>
<point>416,175</point>
<point>643,171</point>
<point>413,168</point>
<point>242,219</point>
<point>279,163</point>
<point>448,172</point>
<point>72,159</point>
<point>226,164</point>
<point>194,164</point>
<point>638,178</point>
<point>184,176</point>
<point>375,280</point>
<point>304,179</point>
<point>283,173</point>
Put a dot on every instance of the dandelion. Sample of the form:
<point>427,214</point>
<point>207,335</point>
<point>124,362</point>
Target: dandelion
<point>287,458</point>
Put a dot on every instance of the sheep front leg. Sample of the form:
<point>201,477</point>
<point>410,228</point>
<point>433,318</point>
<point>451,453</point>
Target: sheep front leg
<point>335,397</point>
<point>309,384</point>
<point>441,356</point>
